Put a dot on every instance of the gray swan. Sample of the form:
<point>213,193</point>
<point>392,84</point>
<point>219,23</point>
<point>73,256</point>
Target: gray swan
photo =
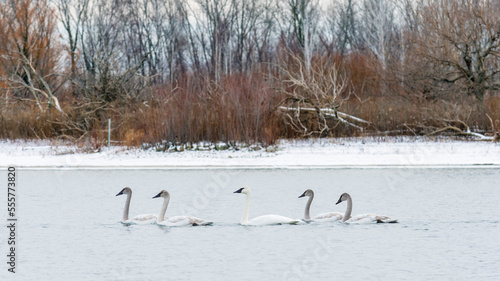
<point>177,220</point>
<point>324,217</point>
<point>146,218</point>
<point>364,218</point>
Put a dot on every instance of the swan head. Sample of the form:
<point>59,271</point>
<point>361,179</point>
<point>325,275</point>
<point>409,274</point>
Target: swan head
<point>163,194</point>
<point>308,192</point>
<point>342,198</point>
<point>126,190</point>
<point>244,190</point>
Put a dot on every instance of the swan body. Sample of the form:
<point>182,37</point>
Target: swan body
<point>177,220</point>
<point>370,218</point>
<point>184,221</point>
<point>261,220</point>
<point>324,217</point>
<point>139,219</point>
<point>364,218</point>
<point>270,220</point>
<point>144,217</point>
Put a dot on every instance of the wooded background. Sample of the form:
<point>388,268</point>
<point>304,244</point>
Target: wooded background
<point>249,71</point>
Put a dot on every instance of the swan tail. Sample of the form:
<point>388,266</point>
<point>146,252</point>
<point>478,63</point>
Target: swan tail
<point>198,222</point>
<point>205,223</point>
<point>387,221</point>
<point>291,222</point>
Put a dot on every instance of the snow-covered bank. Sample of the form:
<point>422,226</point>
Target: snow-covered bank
<point>295,154</point>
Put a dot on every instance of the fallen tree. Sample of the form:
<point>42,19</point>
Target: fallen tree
<point>313,96</point>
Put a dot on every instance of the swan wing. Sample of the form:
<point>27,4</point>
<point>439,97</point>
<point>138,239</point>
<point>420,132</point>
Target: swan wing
<point>324,217</point>
<point>371,218</point>
<point>176,221</point>
<point>141,219</point>
<point>144,217</point>
<point>185,221</point>
<point>198,221</point>
<point>271,219</point>
<point>384,219</point>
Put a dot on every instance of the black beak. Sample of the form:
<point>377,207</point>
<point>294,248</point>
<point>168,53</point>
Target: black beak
<point>303,195</point>
<point>239,190</point>
<point>340,200</point>
<point>158,195</point>
<point>120,193</point>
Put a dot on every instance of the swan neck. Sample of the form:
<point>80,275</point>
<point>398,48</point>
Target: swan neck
<point>244,219</point>
<point>308,207</point>
<point>163,210</point>
<point>348,210</point>
<point>127,206</point>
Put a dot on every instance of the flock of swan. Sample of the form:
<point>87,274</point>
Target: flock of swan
<point>161,219</point>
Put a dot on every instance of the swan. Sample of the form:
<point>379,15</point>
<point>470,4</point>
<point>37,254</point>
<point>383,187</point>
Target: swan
<point>365,218</point>
<point>146,218</point>
<point>324,217</point>
<point>261,220</point>
<point>177,220</point>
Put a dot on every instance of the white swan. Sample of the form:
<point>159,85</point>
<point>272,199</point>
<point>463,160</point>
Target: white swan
<point>324,217</point>
<point>177,220</point>
<point>139,219</point>
<point>364,218</point>
<point>261,220</point>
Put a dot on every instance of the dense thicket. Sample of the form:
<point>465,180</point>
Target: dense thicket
<point>179,71</point>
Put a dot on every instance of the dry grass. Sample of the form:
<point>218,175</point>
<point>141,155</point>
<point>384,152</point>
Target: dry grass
<point>240,108</point>
<point>237,109</point>
<point>492,104</point>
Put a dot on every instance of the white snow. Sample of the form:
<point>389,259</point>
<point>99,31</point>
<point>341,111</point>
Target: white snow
<point>341,152</point>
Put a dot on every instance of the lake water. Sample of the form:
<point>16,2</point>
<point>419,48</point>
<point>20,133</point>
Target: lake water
<point>69,225</point>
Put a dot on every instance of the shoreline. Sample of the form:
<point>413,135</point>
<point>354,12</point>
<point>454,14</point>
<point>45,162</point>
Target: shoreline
<point>261,167</point>
<point>409,152</point>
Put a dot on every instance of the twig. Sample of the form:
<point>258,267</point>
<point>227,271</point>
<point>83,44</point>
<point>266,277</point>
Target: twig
<point>329,112</point>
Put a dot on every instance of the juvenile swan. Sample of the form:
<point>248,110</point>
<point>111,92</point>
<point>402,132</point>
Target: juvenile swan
<point>177,220</point>
<point>324,217</point>
<point>147,218</point>
<point>365,218</point>
<point>261,220</point>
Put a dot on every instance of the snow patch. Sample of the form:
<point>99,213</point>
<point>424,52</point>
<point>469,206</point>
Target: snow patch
<point>339,152</point>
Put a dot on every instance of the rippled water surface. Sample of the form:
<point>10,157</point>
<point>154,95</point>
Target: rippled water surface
<point>69,225</point>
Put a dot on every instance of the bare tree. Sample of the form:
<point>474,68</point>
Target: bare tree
<point>246,18</point>
<point>213,30</point>
<point>29,52</point>
<point>301,27</point>
<point>459,45</point>
<point>111,71</point>
<point>31,80</point>
<point>313,98</point>
<point>378,24</point>
<point>70,16</point>
<point>341,27</point>
<point>155,38</point>
<point>265,33</point>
